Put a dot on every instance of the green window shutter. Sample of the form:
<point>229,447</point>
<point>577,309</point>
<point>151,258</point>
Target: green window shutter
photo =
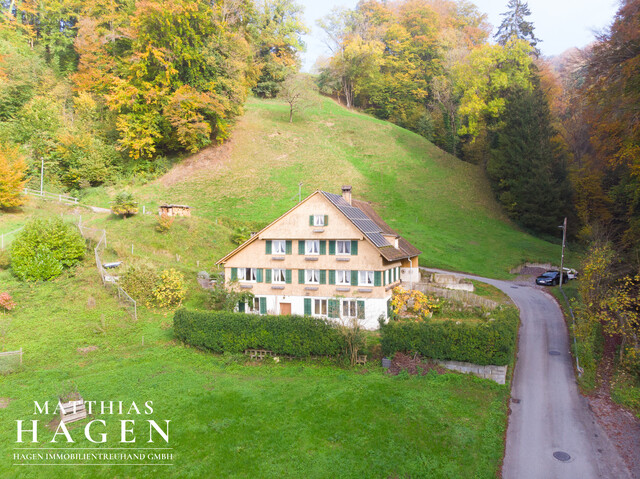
<point>307,306</point>
<point>332,247</point>
<point>310,220</point>
<point>263,305</point>
<point>354,248</point>
<point>354,278</point>
<point>323,276</point>
<point>267,247</point>
<point>234,274</point>
<point>377,278</point>
<point>300,246</point>
<point>332,276</point>
<point>289,246</point>
<point>287,276</point>
<point>267,276</point>
<point>323,247</point>
<point>334,308</point>
<point>259,275</point>
<point>241,307</point>
<point>326,220</point>
<point>360,309</point>
<point>300,276</point>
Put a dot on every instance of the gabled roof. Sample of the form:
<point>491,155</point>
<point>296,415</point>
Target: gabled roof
<point>363,217</point>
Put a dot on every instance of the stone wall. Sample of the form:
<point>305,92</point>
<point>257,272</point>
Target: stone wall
<point>495,373</point>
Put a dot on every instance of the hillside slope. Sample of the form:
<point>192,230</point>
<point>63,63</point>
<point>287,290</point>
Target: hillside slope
<point>438,202</point>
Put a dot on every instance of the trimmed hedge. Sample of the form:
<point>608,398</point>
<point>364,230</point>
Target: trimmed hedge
<point>223,331</point>
<point>492,342</point>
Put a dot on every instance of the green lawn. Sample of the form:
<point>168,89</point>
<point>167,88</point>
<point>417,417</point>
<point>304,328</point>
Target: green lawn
<point>228,418</point>
<point>440,203</point>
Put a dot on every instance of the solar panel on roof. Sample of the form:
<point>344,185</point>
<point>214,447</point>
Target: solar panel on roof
<point>378,240</point>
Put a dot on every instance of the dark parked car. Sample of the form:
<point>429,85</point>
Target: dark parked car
<point>551,278</point>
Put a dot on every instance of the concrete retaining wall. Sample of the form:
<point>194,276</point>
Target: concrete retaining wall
<point>495,373</point>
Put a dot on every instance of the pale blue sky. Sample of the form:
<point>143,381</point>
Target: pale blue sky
<point>560,24</point>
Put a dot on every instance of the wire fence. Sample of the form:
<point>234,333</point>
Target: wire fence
<point>108,280</point>
<point>52,196</point>
<point>7,238</point>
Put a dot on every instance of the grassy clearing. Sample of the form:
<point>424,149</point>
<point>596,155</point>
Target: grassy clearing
<point>490,292</point>
<point>441,204</point>
<point>231,418</point>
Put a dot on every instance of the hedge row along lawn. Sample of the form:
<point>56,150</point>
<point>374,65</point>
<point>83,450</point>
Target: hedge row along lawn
<point>491,341</point>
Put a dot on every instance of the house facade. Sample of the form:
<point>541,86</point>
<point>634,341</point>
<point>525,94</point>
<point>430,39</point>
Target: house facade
<point>329,256</point>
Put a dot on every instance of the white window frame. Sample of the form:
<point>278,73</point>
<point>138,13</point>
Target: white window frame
<point>278,276</point>
<point>278,247</point>
<point>386,277</point>
<point>243,277</point>
<point>346,247</point>
<point>323,303</point>
<point>318,220</point>
<point>311,276</point>
<point>352,305</point>
<point>346,277</point>
<point>365,278</point>
<point>254,305</point>
<point>312,247</point>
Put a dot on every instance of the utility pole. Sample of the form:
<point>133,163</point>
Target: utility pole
<point>564,239</point>
<point>42,176</point>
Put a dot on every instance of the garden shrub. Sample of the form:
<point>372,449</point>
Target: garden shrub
<point>139,281</point>
<point>169,290</point>
<point>228,332</point>
<point>491,342</point>
<point>6,302</point>
<point>43,249</point>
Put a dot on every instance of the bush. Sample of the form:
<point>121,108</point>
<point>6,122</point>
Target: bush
<point>6,302</point>
<point>124,204</point>
<point>139,282</point>
<point>164,223</point>
<point>492,342</point>
<point>170,290</point>
<point>227,332</point>
<point>43,249</point>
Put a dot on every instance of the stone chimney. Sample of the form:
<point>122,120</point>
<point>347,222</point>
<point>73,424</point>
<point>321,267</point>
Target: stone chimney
<point>346,193</point>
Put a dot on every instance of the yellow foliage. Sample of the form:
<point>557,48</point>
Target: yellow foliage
<point>13,177</point>
<point>416,302</point>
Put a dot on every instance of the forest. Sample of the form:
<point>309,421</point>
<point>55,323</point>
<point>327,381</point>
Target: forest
<point>97,90</point>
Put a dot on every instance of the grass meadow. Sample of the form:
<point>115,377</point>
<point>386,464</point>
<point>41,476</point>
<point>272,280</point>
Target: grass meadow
<point>230,418</point>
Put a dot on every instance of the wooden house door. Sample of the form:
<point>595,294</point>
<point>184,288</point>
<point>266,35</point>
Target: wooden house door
<point>285,308</point>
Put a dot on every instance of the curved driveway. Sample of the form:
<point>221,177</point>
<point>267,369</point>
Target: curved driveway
<point>548,415</point>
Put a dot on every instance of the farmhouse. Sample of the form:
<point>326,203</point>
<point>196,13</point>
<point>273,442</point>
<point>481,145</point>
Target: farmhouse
<point>330,256</point>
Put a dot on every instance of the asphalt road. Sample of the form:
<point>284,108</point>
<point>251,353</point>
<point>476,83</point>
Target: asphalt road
<point>548,415</point>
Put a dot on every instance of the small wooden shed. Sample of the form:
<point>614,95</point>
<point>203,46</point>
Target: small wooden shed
<point>175,210</point>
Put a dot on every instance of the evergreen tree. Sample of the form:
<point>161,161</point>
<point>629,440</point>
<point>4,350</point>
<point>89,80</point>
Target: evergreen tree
<point>514,24</point>
<point>526,167</point>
